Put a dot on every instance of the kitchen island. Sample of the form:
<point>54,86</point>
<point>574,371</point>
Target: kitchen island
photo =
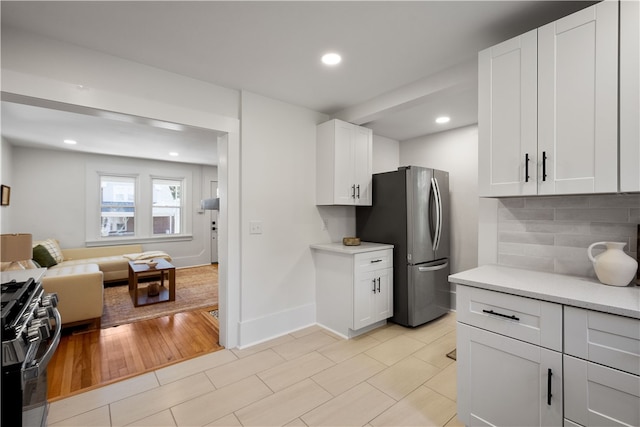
<point>538,348</point>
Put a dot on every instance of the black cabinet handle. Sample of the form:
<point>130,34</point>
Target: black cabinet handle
<point>353,191</point>
<point>544,165</point>
<point>374,285</point>
<point>526,167</point>
<point>549,374</point>
<point>378,285</point>
<point>512,317</point>
<point>375,260</point>
<point>358,189</point>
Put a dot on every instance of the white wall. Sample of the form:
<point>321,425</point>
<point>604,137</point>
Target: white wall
<point>278,189</point>
<point>6,179</point>
<point>45,68</point>
<point>386,154</point>
<point>50,199</point>
<point>455,151</point>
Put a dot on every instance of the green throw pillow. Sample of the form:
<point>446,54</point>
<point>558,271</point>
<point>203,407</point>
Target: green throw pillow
<point>42,256</point>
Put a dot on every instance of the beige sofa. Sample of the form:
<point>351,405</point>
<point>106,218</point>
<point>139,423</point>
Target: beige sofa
<point>78,279</point>
<point>110,259</point>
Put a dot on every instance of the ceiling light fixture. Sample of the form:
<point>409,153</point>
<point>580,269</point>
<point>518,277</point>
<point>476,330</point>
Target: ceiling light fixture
<point>70,141</point>
<point>331,59</point>
<point>173,154</point>
<point>443,119</point>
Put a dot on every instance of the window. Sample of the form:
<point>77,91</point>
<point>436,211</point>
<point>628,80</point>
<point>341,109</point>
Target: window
<point>117,205</point>
<point>167,206</point>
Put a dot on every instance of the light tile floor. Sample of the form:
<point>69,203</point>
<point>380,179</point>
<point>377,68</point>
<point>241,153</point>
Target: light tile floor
<point>392,376</point>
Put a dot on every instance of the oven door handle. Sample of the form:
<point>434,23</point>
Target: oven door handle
<point>39,366</point>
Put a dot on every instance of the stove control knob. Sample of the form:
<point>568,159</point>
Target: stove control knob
<point>33,334</point>
<point>49,300</point>
<point>45,312</point>
<point>45,329</point>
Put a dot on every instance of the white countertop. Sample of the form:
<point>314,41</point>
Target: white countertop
<point>569,290</point>
<point>340,248</point>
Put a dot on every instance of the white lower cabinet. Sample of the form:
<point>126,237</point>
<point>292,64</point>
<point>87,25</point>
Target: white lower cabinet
<point>372,297</point>
<point>524,361</point>
<point>506,375</point>
<point>602,368</point>
<point>597,395</point>
<point>506,382</point>
<point>354,287</point>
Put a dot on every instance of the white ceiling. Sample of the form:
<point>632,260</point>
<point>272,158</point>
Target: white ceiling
<point>273,49</point>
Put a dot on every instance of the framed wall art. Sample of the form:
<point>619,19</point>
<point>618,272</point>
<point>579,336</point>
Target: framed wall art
<point>6,195</point>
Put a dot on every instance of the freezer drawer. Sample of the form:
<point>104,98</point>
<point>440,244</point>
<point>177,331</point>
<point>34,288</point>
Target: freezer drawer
<point>428,291</point>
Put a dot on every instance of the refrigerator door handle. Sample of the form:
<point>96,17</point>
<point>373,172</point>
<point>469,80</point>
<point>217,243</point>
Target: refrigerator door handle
<point>434,268</point>
<point>438,202</point>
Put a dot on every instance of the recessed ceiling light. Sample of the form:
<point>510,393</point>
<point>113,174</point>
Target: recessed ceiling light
<point>173,154</point>
<point>443,119</point>
<point>331,59</point>
<point>70,141</point>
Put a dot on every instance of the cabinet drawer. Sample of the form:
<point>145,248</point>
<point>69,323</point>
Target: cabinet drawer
<point>595,395</point>
<point>603,338</point>
<point>369,261</point>
<point>533,321</point>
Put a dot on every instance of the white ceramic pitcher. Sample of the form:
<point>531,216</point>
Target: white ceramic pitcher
<point>613,266</point>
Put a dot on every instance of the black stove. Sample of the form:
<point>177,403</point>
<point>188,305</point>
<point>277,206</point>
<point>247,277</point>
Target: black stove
<point>31,329</point>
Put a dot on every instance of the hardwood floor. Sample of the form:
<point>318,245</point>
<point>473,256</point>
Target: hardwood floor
<point>90,359</point>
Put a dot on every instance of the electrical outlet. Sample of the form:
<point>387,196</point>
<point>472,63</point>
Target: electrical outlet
<point>255,227</point>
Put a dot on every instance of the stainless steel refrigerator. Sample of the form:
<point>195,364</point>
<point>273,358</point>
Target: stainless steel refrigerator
<point>411,211</point>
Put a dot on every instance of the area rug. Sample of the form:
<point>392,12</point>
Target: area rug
<point>196,288</point>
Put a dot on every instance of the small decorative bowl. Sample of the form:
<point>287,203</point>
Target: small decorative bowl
<point>152,263</point>
<point>351,241</point>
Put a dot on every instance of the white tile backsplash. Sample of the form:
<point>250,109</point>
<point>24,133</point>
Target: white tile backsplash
<point>553,233</point>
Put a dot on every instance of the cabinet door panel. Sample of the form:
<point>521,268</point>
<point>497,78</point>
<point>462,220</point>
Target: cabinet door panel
<point>577,102</point>
<point>507,102</point>
<point>384,297</point>
<point>344,155</point>
<point>629,96</point>
<point>362,165</point>
<point>600,396</point>
<point>603,338</point>
<point>364,293</point>
<point>504,382</point>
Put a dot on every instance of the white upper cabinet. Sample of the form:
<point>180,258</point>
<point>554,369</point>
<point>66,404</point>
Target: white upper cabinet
<point>548,108</point>
<point>629,95</point>
<point>578,102</point>
<point>507,102</point>
<point>344,164</point>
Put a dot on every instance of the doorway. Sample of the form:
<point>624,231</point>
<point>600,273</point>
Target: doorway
<point>213,220</point>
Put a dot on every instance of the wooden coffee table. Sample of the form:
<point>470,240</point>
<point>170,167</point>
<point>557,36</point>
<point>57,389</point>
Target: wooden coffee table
<point>162,270</point>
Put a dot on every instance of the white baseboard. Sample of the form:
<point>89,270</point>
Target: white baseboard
<point>261,329</point>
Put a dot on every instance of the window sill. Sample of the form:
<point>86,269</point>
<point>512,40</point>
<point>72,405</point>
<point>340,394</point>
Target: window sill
<point>111,241</point>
